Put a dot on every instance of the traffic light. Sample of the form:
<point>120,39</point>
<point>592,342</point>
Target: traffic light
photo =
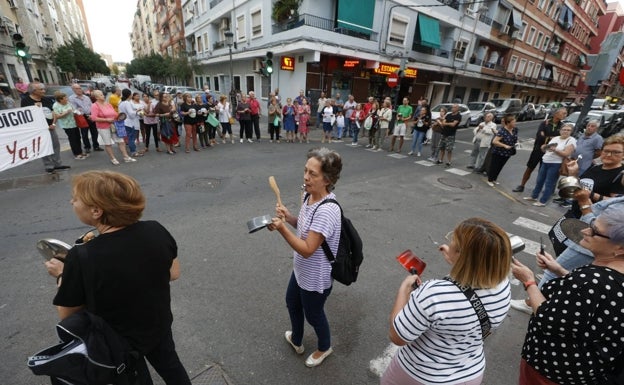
<point>267,64</point>
<point>21,49</point>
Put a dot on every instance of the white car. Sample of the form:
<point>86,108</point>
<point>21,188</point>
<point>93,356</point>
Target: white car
<point>478,111</point>
<point>464,111</point>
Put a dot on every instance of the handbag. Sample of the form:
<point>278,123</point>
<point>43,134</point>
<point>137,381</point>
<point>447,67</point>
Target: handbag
<point>166,130</point>
<point>231,120</point>
<point>81,121</point>
<point>276,121</point>
<point>90,351</point>
<point>119,131</point>
<point>212,120</point>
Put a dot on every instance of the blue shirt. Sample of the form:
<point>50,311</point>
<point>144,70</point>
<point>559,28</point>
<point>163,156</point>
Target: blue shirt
<point>587,146</point>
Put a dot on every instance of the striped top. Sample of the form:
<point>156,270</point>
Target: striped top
<point>443,331</point>
<point>314,273</point>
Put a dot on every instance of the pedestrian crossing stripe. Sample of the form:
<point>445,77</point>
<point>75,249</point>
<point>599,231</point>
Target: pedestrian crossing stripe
<point>532,225</point>
<point>397,156</point>
<point>425,163</point>
<point>457,171</point>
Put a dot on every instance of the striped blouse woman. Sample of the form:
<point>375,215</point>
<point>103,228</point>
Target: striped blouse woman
<point>436,325</point>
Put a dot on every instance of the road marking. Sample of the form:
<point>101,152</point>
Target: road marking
<point>378,365</point>
<point>532,225</point>
<point>457,171</point>
<point>425,163</point>
<point>397,156</point>
<point>530,247</point>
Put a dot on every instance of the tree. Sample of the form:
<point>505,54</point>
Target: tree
<point>114,69</point>
<point>77,58</point>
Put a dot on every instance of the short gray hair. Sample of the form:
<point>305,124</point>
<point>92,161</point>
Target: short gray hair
<point>331,164</point>
<point>613,216</point>
<point>594,121</point>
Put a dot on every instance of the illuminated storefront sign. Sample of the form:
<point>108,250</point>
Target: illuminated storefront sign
<point>385,69</point>
<point>287,63</point>
<point>350,63</point>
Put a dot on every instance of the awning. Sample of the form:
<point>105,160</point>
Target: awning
<point>516,20</point>
<point>506,4</point>
<point>356,15</point>
<point>428,31</point>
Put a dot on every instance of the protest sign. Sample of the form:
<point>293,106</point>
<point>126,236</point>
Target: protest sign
<point>24,136</point>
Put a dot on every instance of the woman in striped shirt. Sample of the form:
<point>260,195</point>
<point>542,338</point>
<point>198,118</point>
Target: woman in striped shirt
<point>436,325</point>
<point>311,282</point>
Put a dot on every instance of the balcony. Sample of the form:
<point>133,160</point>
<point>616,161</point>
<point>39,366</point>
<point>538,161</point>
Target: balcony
<point>450,3</point>
<point>321,23</point>
<point>485,19</point>
<point>214,3</point>
<point>218,44</point>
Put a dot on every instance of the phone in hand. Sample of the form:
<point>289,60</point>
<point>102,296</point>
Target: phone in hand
<point>541,245</point>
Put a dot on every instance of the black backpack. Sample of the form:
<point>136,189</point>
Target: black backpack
<point>346,263</point>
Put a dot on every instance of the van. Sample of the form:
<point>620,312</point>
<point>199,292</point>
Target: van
<point>599,104</point>
<point>506,107</point>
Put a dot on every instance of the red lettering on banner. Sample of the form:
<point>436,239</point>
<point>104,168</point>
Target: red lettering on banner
<point>24,153</point>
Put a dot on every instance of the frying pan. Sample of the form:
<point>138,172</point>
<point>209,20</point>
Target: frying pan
<point>258,223</point>
<point>572,227</point>
<point>53,248</point>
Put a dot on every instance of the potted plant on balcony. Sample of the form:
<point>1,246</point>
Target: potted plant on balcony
<point>285,11</point>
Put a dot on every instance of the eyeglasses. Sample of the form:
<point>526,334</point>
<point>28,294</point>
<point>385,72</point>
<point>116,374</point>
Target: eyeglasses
<point>594,232</point>
<point>449,236</point>
<point>612,152</point>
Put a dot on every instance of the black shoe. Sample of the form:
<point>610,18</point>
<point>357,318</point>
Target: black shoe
<point>565,205</point>
<point>559,200</point>
<point>518,189</point>
<point>62,167</point>
<point>472,167</point>
<point>438,162</point>
<point>50,170</point>
<point>87,150</point>
<point>98,149</point>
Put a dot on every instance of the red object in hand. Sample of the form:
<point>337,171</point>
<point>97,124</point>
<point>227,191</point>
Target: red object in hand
<point>411,262</point>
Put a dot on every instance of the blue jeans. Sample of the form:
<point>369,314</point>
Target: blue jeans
<point>355,130</point>
<point>131,132</point>
<point>339,130</point>
<point>417,140</point>
<point>547,179</point>
<point>302,305</point>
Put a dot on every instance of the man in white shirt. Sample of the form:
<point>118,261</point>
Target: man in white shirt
<point>349,108</point>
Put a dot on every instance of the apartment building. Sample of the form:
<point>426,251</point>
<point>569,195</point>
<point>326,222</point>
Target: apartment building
<point>145,37</point>
<point>44,25</point>
<point>529,49</point>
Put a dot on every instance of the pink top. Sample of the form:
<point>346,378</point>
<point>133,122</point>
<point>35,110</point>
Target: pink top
<point>105,112</point>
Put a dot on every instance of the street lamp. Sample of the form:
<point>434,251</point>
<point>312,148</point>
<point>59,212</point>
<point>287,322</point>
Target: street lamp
<point>229,41</point>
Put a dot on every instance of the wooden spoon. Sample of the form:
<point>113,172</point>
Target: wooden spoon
<point>275,189</point>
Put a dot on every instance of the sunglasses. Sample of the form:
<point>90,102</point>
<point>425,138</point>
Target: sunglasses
<point>594,231</point>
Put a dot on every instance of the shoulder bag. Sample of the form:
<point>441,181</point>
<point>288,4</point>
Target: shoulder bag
<point>475,301</point>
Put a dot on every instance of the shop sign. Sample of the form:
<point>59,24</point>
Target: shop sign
<point>287,63</point>
<point>386,69</point>
<point>350,63</point>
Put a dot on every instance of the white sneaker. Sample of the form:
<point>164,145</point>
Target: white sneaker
<point>241,140</point>
<point>250,141</point>
<point>521,305</point>
<point>411,153</point>
<point>491,184</point>
<point>129,160</point>
<point>418,154</point>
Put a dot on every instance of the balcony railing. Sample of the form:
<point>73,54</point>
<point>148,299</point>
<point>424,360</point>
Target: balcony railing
<point>485,19</point>
<point>214,3</point>
<point>321,23</point>
<point>450,3</point>
<point>218,44</point>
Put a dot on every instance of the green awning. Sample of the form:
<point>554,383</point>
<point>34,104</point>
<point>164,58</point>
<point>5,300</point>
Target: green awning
<point>356,15</point>
<point>428,31</point>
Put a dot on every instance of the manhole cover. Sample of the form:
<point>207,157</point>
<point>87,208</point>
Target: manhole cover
<point>212,375</point>
<point>202,184</point>
<point>456,183</point>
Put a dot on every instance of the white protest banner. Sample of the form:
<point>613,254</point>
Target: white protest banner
<point>24,136</point>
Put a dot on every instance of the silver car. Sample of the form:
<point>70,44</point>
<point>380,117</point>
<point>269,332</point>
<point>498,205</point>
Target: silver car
<point>464,111</point>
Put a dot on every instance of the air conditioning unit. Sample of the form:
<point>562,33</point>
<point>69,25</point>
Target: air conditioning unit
<point>516,35</point>
<point>505,30</point>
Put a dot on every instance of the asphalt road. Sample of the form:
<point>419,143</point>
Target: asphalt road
<point>229,305</point>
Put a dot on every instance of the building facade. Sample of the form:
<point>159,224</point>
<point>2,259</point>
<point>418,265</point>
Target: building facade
<point>528,49</point>
<point>145,37</point>
<point>44,25</point>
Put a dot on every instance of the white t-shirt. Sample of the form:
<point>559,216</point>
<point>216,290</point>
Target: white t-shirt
<point>328,112</point>
<point>550,156</point>
<point>443,331</point>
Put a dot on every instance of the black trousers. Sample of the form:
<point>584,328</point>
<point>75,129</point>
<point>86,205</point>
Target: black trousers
<point>497,163</point>
<point>84,132</point>
<point>255,120</point>
<point>164,359</point>
<point>245,127</point>
<point>73,134</point>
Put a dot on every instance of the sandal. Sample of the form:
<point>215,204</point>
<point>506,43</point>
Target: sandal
<point>115,162</point>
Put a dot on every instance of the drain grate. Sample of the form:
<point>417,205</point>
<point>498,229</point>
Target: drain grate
<point>202,184</point>
<point>455,183</point>
<point>213,375</point>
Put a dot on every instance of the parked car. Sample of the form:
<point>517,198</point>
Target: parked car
<point>478,111</point>
<point>527,112</point>
<point>152,87</point>
<point>506,107</point>
<point>463,110</point>
<point>573,119</point>
<point>599,104</point>
<point>184,89</point>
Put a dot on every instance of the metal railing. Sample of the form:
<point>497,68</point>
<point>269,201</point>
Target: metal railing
<point>321,23</point>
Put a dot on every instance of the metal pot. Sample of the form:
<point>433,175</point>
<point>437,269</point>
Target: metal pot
<point>517,244</point>
<point>568,186</point>
<point>258,223</point>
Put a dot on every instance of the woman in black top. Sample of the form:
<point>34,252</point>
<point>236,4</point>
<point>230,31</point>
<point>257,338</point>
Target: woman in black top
<point>189,114</point>
<point>135,262</point>
<point>421,125</point>
<point>243,111</point>
<point>202,114</point>
<point>503,148</point>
